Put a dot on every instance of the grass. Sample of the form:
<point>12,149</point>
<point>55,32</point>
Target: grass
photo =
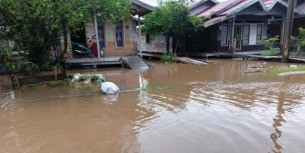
<point>94,78</point>
<point>55,84</point>
<point>169,58</point>
<point>288,69</point>
<point>31,87</point>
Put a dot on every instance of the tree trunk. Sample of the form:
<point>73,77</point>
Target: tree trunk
<point>167,44</point>
<point>288,31</point>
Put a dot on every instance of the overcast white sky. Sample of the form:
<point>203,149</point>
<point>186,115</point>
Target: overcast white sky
<point>155,2</point>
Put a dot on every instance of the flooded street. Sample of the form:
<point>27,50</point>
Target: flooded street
<point>216,108</point>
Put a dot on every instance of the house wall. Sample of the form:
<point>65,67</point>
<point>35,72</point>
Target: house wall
<point>155,44</point>
<point>241,21</point>
<point>111,48</point>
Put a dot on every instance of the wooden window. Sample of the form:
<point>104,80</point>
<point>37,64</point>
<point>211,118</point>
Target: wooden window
<point>224,35</point>
<point>119,34</point>
<point>246,34</point>
<point>259,34</point>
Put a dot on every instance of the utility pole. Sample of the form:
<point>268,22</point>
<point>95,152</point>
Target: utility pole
<point>96,35</point>
<point>139,35</point>
<point>288,31</point>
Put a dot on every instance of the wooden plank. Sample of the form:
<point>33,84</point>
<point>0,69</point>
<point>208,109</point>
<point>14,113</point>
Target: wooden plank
<point>187,60</point>
<point>135,62</point>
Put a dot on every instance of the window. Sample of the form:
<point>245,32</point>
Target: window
<point>119,34</point>
<point>101,36</point>
<point>246,34</point>
<point>147,38</point>
<point>259,34</point>
<point>224,35</point>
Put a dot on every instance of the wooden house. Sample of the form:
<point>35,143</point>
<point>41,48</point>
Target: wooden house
<point>240,25</point>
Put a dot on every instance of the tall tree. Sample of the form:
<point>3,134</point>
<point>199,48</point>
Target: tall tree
<point>173,19</point>
<point>37,25</point>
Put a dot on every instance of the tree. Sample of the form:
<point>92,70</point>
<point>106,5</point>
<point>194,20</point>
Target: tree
<point>288,31</point>
<point>173,19</point>
<point>37,25</point>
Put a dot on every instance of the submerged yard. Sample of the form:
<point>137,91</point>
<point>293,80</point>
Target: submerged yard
<point>177,108</point>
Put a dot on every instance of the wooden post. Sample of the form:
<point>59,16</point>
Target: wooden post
<point>288,31</point>
<point>55,73</point>
<point>139,33</point>
<point>96,35</point>
<point>232,35</point>
<point>282,32</point>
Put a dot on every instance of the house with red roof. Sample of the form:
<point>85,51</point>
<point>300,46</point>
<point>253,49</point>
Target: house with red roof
<point>240,25</point>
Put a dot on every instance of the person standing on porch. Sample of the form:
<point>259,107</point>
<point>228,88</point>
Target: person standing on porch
<point>93,46</point>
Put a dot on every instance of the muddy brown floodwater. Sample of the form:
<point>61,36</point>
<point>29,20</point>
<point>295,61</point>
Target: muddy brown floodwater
<point>217,108</point>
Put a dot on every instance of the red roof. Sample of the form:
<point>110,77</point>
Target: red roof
<point>239,5</point>
<point>224,10</point>
<point>218,7</point>
<point>268,3</point>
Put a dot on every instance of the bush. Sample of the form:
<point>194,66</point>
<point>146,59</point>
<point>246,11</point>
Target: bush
<point>301,43</point>
<point>54,84</point>
<point>6,57</point>
<point>94,78</point>
<point>271,46</point>
<point>272,52</point>
<point>169,58</point>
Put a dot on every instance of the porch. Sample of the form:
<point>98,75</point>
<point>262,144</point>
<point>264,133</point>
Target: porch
<point>131,62</point>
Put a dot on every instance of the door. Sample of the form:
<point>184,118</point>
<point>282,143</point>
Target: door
<point>237,37</point>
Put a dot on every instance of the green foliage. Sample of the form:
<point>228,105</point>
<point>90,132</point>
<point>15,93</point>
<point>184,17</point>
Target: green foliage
<point>31,87</point>
<point>37,25</point>
<point>270,45</point>
<point>173,19</point>
<point>272,51</point>
<point>83,78</point>
<point>288,69</point>
<point>54,84</point>
<point>301,42</point>
<point>94,78</point>
<point>30,68</point>
<point>169,58</point>
<point>7,58</point>
<point>70,76</point>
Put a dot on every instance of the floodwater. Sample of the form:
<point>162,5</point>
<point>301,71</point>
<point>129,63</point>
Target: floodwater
<point>217,108</point>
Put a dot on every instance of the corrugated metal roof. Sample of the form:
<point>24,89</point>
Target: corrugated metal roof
<point>224,10</point>
<point>215,21</point>
<point>240,4</point>
<point>301,7</point>
<point>268,3</point>
<point>218,7</point>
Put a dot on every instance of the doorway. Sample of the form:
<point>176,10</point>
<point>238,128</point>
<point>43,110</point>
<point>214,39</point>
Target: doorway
<point>237,36</point>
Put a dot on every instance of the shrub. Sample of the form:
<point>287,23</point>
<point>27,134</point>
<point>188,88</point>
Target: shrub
<point>54,84</point>
<point>301,43</point>
<point>94,78</point>
<point>271,46</point>
<point>272,52</point>
<point>169,58</point>
<point>83,78</point>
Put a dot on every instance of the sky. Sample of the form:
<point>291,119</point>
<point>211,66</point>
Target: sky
<point>155,2</point>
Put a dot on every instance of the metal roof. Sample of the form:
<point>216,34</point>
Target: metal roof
<point>229,8</point>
